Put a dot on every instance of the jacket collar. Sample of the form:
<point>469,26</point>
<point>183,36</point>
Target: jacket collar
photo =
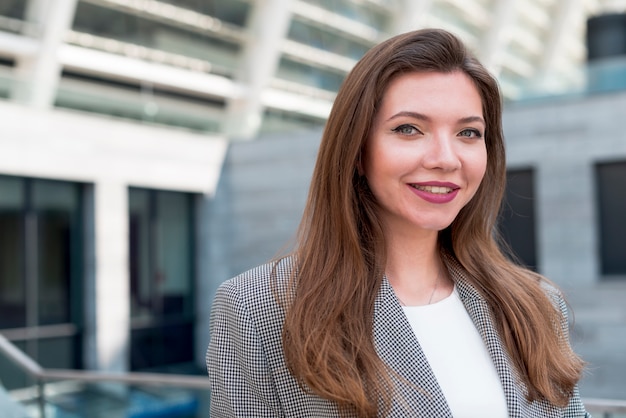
<point>398,347</point>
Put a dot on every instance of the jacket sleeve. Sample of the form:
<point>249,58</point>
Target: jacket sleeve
<point>575,408</point>
<point>241,382</point>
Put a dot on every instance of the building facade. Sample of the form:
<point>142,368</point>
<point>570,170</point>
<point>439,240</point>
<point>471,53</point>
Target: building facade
<point>219,67</point>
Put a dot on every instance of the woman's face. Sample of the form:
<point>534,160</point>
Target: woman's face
<point>426,154</point>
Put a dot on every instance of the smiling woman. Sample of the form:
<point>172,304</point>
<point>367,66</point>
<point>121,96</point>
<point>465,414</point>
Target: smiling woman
<point>397,300</point>
<point>426,155</point>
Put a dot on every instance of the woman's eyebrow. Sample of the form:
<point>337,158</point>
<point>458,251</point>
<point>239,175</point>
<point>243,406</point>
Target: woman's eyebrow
<point>416,115</point>
<point>470,119</point>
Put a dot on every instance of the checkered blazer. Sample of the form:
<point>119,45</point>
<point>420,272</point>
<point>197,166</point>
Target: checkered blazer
<point>249,377</point>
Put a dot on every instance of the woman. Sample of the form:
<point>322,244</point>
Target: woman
<point>397,300</point>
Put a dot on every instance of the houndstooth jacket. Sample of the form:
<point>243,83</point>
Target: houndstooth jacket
<point>249,377</point>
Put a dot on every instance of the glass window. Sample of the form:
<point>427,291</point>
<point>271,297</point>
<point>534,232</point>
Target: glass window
<point>12,290</point>
<point>141,30</point>
<point>56,205</point>
<point>174,252</point>
<point>368,16</point>
<point>310,76</point>
<point>138,101</point>
<point>325,40</point>
<point>611,200</point>
<point>59,352</point>
<point>276,121</point>
<point>517,222</point>
<point>161,277</point>
<point>41,268</point>
<point>231,11</point>
<point>140,253</point>
<point>14,9</point>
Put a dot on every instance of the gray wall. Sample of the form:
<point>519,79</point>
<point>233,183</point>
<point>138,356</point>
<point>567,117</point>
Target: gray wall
<point>562,140</point>
<point>263,187</point>
<point>255,212</point>
<point>260,198</point>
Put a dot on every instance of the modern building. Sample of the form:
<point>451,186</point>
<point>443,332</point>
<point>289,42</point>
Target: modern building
<point>241,67</point>
<point>129,187</point>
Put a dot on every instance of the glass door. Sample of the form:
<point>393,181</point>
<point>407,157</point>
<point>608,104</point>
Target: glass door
<point>41,269</point>
<point>161,279</point>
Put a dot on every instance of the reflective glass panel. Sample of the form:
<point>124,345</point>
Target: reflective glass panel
<point>517,222</point>
<point>41,266</point>
<point>357,11</point>
<point>152,32</point>
<point>174,269</point>
<point>12,291</point>
<point>328,41</point>
<point>231,11</point>
<point>610,182</point>
<point>310,76</point>
<point>161,278</point>
<point>140,253</point>
<point>59,244</point>
<point>13,8</point>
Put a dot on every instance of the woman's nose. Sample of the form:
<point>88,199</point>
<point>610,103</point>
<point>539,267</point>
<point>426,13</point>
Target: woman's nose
<point>441,153</point>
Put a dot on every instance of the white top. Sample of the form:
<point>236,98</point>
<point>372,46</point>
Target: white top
<point>459,358</point>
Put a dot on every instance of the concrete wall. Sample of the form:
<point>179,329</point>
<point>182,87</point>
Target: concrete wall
<point>263,187</point>
<point>562,140</point>
<point>256,210</point>
<point>260,198</point>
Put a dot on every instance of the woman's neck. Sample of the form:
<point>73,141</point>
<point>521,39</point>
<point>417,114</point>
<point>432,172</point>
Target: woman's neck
<point>415,270</point>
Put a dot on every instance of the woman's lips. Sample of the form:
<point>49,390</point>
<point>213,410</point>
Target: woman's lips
<point>435,192</point>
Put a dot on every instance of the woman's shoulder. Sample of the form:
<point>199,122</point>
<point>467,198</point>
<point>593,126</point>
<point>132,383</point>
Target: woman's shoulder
<point>550,289</point>
<point>555,294</point>
<point>251,306</point>
<point>258,287</point>
<point>263,276</point>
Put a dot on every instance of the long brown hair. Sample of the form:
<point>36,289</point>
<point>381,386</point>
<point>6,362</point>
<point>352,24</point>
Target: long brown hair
<point>340,252</point>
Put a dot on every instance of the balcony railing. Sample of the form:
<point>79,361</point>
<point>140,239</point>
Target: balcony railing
<point>56,393</point>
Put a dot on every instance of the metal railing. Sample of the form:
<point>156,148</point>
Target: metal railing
<point>604,408</point>
<point>42,376</point>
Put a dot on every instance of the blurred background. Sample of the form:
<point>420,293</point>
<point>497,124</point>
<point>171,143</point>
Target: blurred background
<point>151,149</point>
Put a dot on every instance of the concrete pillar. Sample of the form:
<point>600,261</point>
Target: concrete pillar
<point>561,28</point>
<point>268,26</point>
<point>495,40</point>
<point>38,74</point>
<point>112,290</point>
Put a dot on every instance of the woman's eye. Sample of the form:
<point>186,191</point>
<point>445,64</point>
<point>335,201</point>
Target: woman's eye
<point>470,133</point>
<point>406,130</point>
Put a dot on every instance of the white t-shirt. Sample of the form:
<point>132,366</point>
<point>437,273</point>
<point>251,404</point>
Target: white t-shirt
<point>459,358</point>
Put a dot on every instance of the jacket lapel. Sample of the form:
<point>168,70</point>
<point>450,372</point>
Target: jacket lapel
<point>398,347</point>
<point>481,316</point>
<point>514,389</point>
<point>417,391</point>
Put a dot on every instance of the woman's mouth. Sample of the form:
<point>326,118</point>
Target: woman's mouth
<point>436,192</point>
<point>433,189</point>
